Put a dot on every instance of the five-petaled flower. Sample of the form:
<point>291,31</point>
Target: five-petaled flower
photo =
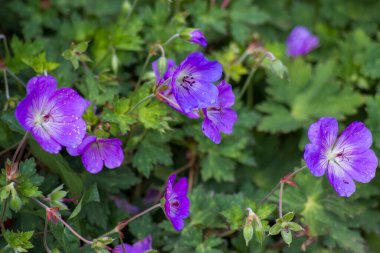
<point>53,116</point>
<point>219,117</point>
<point>164,90</point>
<point>192,82</point>
<point>97,152</point>
<point>345,158</point>
<point>137,247</point>
<point>301,42</point>
<point>176,204</point>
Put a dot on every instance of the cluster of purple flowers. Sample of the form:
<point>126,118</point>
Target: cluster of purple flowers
<point>54,117</point>
<point>189,89</point>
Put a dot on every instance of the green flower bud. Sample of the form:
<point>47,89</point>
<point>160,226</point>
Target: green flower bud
<point>247,233</point>
<point>162,65</point>
<point>278,68</point>
<point>286,235</point>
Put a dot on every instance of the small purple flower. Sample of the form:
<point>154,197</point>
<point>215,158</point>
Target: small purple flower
<point>164,87</point>
<point>301,41</point>
<point>53,116</point>
<point>97,152</point>
<point>192,82</point>
<point>176,202</point>
<point>220,117</point>
<point>137,247</point>
<point>345,158</point>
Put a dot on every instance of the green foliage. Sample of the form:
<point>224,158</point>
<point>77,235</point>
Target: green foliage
<point>99,48</point>
<point>18,241</point>
<point>308,95</point>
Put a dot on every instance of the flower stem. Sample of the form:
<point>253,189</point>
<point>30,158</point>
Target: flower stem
<point>6,84</point>
<point>122,243</point>
<point>5,204</point>
<point>250,75</point>
<point>132,9</point>
<point>64,223</point>
<point>280,199</point>
<point>46,246</point>
<point>15,77</point>
<point>170,39</point>
<point>279,183</point>
<point>23,140</point>
<point>140,102</point>
<point>123,224</point>
<point>143,69</point>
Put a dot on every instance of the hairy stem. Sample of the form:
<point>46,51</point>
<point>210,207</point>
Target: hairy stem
<point>143,69</point>
<point>6,84</point>
<point>170,39</point>
<point>140,102</point>
<point>122,243</point>
<point>250,75</point>
<point>16,77</point>
<point>123,224</point>
<point>23,140</point>
<point>132,9</point>
<point>279,183</point>
<point>64,223</point>
<point>46,246</point>
<point>280,199</point>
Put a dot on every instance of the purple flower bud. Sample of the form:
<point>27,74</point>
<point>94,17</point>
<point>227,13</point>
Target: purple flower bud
<point>345,158</point>
<point>137,247</point>
<point>53,116</point>
<point>194,35</point>
<point>176,202</point>
<point>301,42</point>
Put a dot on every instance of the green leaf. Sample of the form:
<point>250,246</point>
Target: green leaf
<point>287,236</point>
<point>288,217</point>
<point>70,241</point>
<point>40,64</point>
<point>217,167</point>
<point>294,226</point>
<point>307,96</point>
<point>91,195</point>
<point>153,150</point>
<point>57,164</point>
<point>275,229</point>
<point>18,241</point>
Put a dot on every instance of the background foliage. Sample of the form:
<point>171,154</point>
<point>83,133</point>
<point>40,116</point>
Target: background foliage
<point>99,47</point>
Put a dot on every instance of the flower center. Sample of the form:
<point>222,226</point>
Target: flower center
<point>42,118</point>
<point>185,80</point>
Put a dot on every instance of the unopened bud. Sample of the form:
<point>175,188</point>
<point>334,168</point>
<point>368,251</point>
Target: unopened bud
<point>194,35</point>
<point>247,232</point>
<point>162,65</point>
<point>278,68</point>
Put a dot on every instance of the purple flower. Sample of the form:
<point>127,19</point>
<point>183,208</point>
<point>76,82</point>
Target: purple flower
<point>197,37</point>
<point>219,117</point>
<point>301,42</point>
<point>176,202</point>
<point>53,116</point>
<point>345,158</point>
<point>138,247</point>
<point>194,35</point>
<point>97,152</point>
<point>192,82</point>
<point>164,87</point>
